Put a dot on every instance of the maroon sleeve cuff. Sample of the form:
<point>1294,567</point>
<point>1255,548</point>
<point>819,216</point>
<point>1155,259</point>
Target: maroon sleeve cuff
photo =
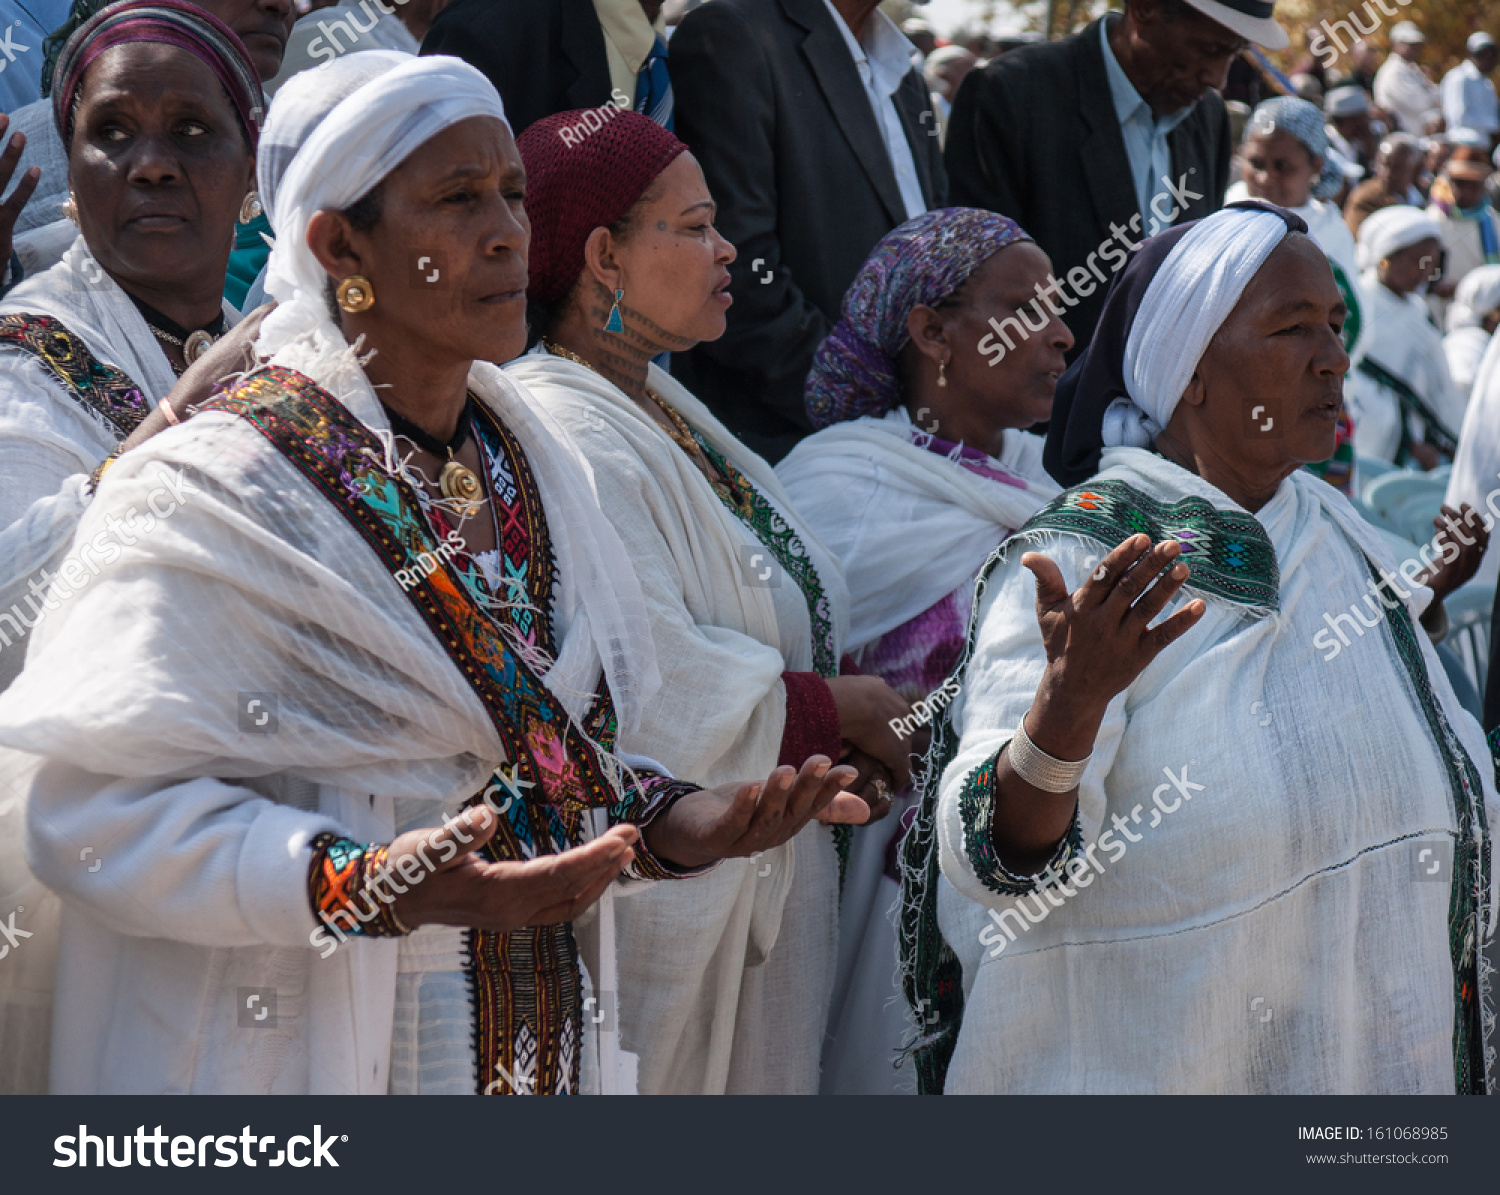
<point>812,720</point>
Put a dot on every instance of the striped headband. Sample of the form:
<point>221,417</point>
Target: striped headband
<point>172,23</point>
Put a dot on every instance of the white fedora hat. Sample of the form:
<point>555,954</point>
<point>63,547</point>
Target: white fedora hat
<point>1251,19</point>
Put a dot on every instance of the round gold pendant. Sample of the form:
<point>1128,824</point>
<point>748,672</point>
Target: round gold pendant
<point>196,345</point>
<point>461,487</point>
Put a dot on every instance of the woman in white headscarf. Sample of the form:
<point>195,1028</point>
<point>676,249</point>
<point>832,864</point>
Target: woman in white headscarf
<point>1472,319</point>
<point>1194,832</point>
<point>89,347</point>
<point>923,464</point>
<point>1406,408</point>
<point>264,710</point>
<point>724,985</point>
<point>1471,350</point>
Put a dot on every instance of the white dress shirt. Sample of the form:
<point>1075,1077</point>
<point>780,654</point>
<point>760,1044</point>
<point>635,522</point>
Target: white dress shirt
<point>1403,89</point>
<point>884,58</point>
<point>1145,137</point>
<point>1469,100</point>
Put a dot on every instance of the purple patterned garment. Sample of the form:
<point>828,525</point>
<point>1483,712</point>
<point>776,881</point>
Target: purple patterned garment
<point>921,263</point>
<point>916,657</point>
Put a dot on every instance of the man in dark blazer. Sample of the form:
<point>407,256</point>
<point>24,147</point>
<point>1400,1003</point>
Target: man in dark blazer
<point>1037,134</point>
<point>772,103</point>
<point>543,56</point>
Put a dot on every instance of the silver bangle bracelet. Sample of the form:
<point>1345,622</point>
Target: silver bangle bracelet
<point>1041,770</point>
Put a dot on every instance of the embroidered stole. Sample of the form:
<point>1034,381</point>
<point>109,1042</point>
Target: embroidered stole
<point>103,391</point>
<point>525,984</point>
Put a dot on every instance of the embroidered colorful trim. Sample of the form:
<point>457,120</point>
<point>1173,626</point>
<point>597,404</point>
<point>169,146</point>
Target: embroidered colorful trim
<point>750,506</point>
<point>1471,863</point>
<point>343,886</point>
<point>1229,553</point>
<point>976,810</point>
<point>524,985</point>
<point>343,459</point>
<point>105,392</point>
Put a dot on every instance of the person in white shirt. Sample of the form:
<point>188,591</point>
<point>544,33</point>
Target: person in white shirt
<point>1469,99</point>
<point>1402,87</point>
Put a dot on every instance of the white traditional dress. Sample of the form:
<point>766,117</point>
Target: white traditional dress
<point>1476,466</point>
<point>1273,883</point>
<point>80,369</point>
<point>724,983</point>
<point>390,701</point>
<point>912,518</point>
<point>1402,372</point>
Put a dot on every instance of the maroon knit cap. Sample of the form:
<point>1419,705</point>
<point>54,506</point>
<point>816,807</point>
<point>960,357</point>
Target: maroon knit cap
<point>584,170</point>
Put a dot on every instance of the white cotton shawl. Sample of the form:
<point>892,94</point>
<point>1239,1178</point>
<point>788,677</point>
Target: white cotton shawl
<point>49,442</point>
<point>1476,466</point>
<point>723,982</point>
<point>256,584</point>
<point>1405,342</point>
<point>1196,287</point>
<point>909,525</point>
<point>1285,883</point>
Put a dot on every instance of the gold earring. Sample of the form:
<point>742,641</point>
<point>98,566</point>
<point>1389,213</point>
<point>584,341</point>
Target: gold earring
<point>942,372</point>
<point>250,208</point>
<point>70,208</point>
<point>356,294</point>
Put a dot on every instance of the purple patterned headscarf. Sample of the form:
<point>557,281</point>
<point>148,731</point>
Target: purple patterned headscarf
<point>920,263</point>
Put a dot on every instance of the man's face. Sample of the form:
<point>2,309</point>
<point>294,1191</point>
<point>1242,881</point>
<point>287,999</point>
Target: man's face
<point>1410,50</point>
<point>263,25</point>
<point>1468,193</point>
<point>1487,59</point>
<point>1187,56</point>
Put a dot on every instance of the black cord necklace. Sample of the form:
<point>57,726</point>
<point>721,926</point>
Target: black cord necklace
<point>457,482</point>
<point>193,342</point>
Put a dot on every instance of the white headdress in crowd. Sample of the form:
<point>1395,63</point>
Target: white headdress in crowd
<point>1392,229</point>
<point>1187,301</point>
<point>332,134</point>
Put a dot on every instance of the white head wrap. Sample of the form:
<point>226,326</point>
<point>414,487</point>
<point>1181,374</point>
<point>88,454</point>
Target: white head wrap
<point>1477,295</point>
<point>1392,229</point>
<point>334,133</point>
<point>331,135</point>
<point>1187,301</point>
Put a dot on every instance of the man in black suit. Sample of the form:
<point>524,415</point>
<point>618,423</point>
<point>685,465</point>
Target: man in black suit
<point>1091,147</point>
<point>546,56</point>
<point>812,158</point>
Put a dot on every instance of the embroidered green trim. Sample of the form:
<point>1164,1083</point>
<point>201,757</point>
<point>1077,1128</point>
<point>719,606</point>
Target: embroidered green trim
<point>1229,553</point>
<point>976,811</point>
<point>1471,862</point>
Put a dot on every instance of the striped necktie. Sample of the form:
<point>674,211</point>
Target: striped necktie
<point>653,87</point>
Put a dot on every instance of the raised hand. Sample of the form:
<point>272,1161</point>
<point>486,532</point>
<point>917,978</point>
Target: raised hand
<point>739,820</point>
<point>1462,539</point>
<point>11,208</point>
<point>1098,639</point>
<point>470,891</point>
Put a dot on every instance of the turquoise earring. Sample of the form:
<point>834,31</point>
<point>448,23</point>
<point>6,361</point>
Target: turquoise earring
<point>614,323</point>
